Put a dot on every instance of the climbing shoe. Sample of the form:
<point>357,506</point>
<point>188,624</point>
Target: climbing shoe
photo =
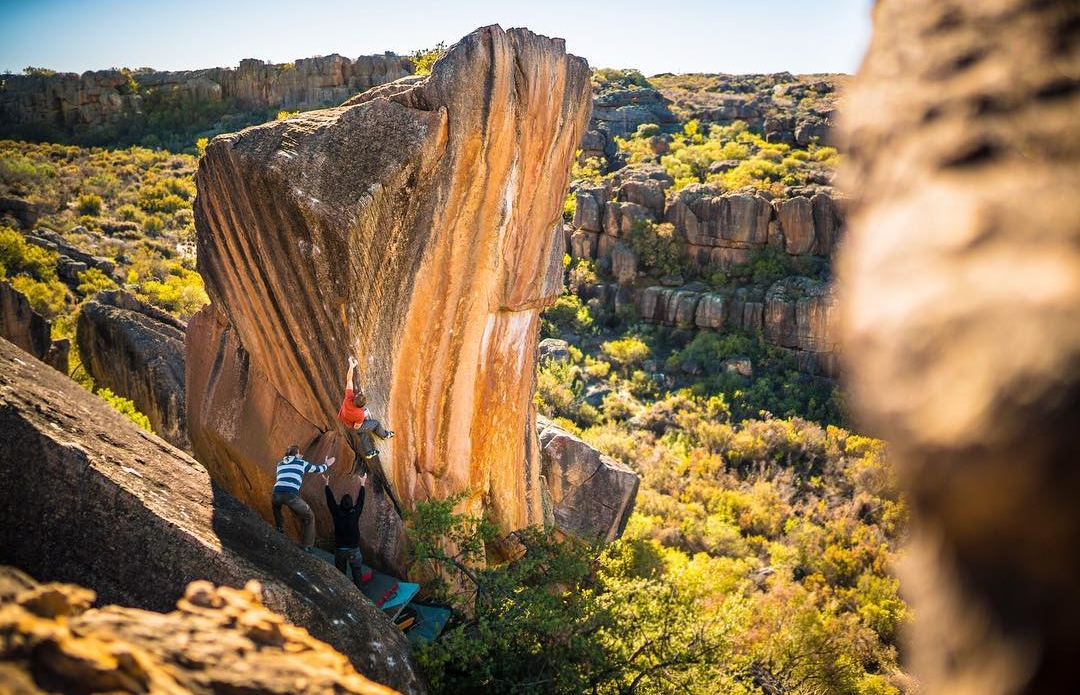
<point>371,454</point>
<point>389,434</point>
<point>309,549</point>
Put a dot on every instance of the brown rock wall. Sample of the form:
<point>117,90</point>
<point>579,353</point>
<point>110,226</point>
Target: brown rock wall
<point>796,218</point>
<point>795,313</point>
<point>720,230</point>
<point>104,97</point>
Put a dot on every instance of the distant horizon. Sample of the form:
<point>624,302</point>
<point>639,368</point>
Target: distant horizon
<point>685,36</point>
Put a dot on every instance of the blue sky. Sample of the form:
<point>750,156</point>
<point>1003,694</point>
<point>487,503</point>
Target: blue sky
<point>799,36</point>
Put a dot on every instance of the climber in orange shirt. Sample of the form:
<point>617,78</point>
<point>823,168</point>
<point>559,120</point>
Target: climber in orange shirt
<point>357,418</point>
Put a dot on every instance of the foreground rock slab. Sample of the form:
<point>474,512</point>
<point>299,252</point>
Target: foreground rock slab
<point>417,227</point>
<point>219,639</point>
<point>87,497</point>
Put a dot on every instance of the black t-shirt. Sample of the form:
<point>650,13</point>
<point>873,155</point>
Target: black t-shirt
<point>346,520</point>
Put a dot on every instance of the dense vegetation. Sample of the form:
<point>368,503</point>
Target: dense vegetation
<point>757,561</point>
<point>131,206</point>
<point>729,157</point>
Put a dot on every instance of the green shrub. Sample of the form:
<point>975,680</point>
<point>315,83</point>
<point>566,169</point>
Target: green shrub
<point>125,407</point>
<point>610,79</point>
<point>591,169</point>
<point>92,281</point>
<point>659,250</point>
<point>628,353</point>
<point>89,204</point>
<point>46,298</point>
<point>424,58</point>
<point>567,315</point>
<point>20,257</point>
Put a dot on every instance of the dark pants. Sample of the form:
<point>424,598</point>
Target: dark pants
<point>293,501</point>
<point>362,442</point>
<point>369,425</point>
<point>344,558</point>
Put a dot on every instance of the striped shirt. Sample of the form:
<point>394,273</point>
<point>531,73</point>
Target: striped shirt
<point>290,473</point>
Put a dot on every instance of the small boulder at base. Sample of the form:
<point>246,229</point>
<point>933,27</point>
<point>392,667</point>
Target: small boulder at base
<point>592,494</point>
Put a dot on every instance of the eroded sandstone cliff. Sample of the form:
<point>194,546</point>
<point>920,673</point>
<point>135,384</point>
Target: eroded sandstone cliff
<point>416,226</point>
<point>960,311</point>
<point>70,104</point>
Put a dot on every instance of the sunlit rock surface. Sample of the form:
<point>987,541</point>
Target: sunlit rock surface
<point>137,351</point>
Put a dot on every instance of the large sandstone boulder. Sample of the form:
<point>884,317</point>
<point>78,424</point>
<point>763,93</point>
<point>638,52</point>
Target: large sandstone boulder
<point>219,639</point>
<point>29,330</point>
<point>961,321</point>
<point>417,226</point>
<point>592,495</point>
<point>137,351</point>
<point>88,497</point>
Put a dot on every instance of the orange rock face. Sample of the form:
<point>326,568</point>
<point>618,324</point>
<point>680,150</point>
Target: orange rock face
<point>416,227</point>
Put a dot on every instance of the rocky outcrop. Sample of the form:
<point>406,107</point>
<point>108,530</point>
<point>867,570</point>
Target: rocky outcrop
<point>618,112</point>
<point>796,313</point>
<point>719,229</point>
<point>29,330</point>
<point>961,316</point>
<point>794,109</point>
<point>87,497</point>
<point>306,83</point>
<point>68,103</point>
<point>219,639</point>
<point>621,111</point>
<point>72,260</point>
<point>22,213</point>
<point>137,351</point>
<point>416,226</point>
<point>592,495</point>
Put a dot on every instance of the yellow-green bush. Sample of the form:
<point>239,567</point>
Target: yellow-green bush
<point>125,407</point>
